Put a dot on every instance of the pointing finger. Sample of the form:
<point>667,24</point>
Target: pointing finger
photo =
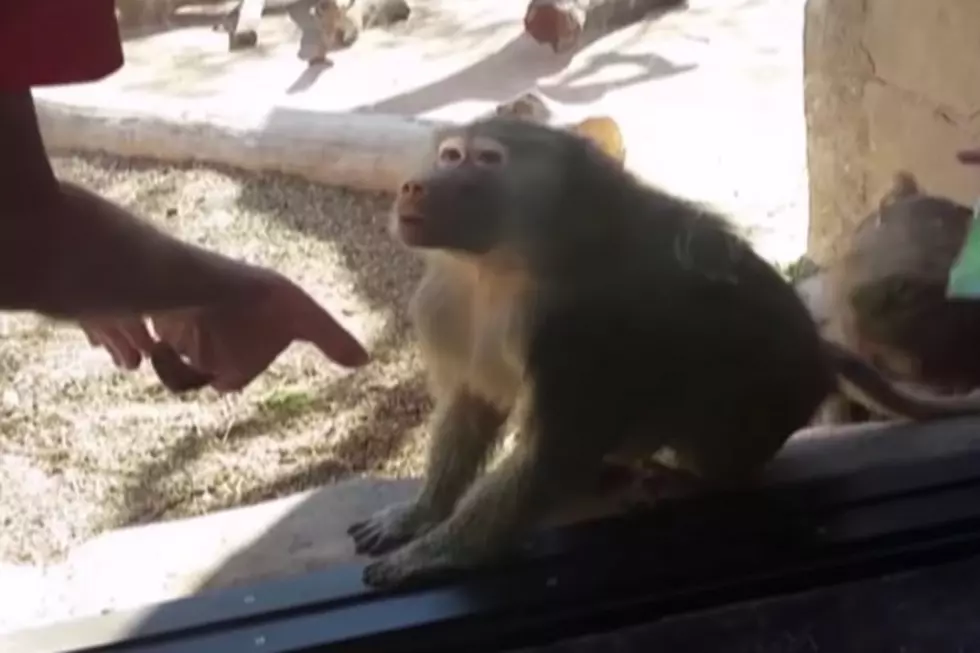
<point>318,327</point>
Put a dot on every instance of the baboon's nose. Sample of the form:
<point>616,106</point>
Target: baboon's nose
<point>411,190</point>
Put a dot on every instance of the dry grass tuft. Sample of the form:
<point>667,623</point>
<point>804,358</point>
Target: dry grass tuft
<point>84,448</point>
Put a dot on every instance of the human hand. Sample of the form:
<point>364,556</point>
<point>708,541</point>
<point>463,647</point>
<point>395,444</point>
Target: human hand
<point>228,344</point>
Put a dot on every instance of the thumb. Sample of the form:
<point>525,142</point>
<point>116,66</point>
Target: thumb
<point>318,327</point>
<point>969,157</point>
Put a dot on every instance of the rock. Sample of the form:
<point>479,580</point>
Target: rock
<point>889,85</point>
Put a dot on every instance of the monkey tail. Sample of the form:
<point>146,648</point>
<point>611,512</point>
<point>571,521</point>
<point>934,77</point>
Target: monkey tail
<point>861,382</point>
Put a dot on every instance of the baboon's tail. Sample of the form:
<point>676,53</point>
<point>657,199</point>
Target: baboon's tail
<point>861,382</point>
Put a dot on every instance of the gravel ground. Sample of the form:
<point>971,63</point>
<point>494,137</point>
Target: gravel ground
<point>85,448</point>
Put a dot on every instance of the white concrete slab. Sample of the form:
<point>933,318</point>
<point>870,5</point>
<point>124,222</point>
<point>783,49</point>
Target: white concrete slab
<point>131,567</point>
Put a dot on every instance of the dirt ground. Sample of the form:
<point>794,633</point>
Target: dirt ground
<point>85,448</point>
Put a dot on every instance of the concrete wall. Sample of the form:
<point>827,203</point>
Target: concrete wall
<point>889,84</point>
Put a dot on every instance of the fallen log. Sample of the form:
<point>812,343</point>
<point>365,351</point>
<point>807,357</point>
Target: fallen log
<point>563,23</point>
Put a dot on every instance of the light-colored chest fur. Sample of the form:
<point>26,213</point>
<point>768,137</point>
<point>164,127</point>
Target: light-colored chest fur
<point>470,328</point>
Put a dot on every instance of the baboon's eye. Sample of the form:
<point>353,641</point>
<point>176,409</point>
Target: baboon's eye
<point>450,154</point>
<point>490,157</point>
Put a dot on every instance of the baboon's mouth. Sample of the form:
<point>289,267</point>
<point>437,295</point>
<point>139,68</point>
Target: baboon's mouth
<point>411,219</point>
<point>411,229</point>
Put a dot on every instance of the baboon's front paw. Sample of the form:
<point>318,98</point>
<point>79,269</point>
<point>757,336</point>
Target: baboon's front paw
<point>389,528</point>
<point>407,565</point>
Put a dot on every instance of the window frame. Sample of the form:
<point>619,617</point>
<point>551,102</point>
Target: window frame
<point>840,505</point>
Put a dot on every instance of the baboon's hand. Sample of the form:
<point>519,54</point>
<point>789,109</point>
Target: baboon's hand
<point>421,560</point>
<point>390,528</point>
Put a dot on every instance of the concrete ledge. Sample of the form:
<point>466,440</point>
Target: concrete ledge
<point>140,565</point>
<point>157,562</point>
<point>356,150</point>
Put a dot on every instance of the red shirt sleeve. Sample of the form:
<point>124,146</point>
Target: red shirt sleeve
<point>57,42</point>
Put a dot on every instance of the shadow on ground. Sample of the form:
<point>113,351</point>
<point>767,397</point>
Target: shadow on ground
<point>519,65</point>
<point>161,16</point>
<point>195,66</point>
<point>312,536</point>
<point>360,450</point>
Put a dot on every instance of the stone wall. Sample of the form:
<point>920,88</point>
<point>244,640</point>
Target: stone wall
<point>890,84</point>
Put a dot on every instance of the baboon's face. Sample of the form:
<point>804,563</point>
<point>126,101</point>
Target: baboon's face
<point>492,185</point>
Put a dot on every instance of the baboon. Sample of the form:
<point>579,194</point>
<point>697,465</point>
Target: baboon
<point>609,319</point>
<point>885,296</point>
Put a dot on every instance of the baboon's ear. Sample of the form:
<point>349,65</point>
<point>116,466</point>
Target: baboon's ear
<point>903,185</point>
<point>604,132</point>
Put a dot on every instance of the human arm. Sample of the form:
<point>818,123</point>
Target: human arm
<point>68,253</point>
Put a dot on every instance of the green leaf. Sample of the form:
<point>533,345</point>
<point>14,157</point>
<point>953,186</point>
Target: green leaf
<point>964,276</point>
